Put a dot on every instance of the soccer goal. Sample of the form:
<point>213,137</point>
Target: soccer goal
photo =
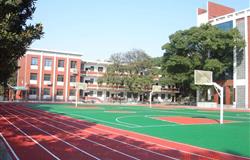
<point>202,77</point>
<point>78,86</point>
<point>155,88</point>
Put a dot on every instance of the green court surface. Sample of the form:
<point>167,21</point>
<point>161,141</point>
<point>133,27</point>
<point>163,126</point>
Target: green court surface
<point>233,137</point>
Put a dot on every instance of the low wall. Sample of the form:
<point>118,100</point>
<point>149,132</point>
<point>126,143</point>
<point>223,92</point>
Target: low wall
<point>207,104</point>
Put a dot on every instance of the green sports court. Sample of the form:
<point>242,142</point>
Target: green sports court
<point>231,137</point>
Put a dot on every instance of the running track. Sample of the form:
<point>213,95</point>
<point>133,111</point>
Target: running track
<point>36,134</point>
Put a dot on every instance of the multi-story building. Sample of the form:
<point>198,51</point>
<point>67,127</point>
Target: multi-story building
<point>52,76</point>
<point>49,75</point>
<point>227,18</point>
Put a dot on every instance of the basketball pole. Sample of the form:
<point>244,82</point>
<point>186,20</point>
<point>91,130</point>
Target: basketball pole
<point>221,94</point>
<point>76,94</point>
<point>150,99</point>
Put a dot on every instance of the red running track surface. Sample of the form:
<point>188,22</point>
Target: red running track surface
<point>36,134</point>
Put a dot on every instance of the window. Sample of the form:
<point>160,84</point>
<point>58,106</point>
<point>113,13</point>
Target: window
<point>129,95</point>
<point>163,96</point>
<point>72,92</point>
<point>226,26</point>
<point>100,69</point>
<point>99,93</point>
<point>34,61</point>
<point>32,91</point>
<point>48,62</point>
<point>107,94</point>
<point>91,81</point>
<point>33,76</point>
<point>81,92</point>
<point>82,66</point>
<point>81,79</point>
<point>72,78</point>
<point>121,94</point>
<point>60,78</point>
<point>59,92</point>
<point>46,91</point>
<point>91,93</point>
<point>46,77</point>
<point>73,64</point>
<point>61,63</point>
<point>92,68</point>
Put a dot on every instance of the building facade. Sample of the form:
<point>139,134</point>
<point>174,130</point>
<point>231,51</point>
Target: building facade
<point>52,76</point>
<point>49,75</point>
<point>226,18</point>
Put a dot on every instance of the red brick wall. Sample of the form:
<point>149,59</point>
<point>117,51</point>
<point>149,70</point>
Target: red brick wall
<point>201,11</point>
<point>78,75</point>
<point>47,72</point>
<point>60,73</point>
<point>216,10</point>
<point>25,71</point>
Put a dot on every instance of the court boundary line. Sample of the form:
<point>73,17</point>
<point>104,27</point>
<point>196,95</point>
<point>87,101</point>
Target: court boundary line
<point>117,119</point>
<point>246,118</point>
<point>46,112</point>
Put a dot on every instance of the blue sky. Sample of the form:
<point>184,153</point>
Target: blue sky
<point>99,28</point>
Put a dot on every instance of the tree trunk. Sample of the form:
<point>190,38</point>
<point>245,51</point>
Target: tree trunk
<point>5,91</point>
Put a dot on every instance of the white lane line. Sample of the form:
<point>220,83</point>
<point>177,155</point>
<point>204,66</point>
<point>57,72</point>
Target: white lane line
<point>87,117</point>
<point>195,114</point>
<point>99,135</point>
<point>82,151</point>
<point>31,138</point>
<point>42,112</point>
<point>83,138</point>
<point>10,148</point>
<point>119,121</point>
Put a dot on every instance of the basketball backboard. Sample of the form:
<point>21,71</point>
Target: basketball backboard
<point>82,86</point>
<point>203,77</point>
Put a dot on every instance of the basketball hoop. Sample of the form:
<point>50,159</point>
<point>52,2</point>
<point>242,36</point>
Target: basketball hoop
<point>79,85</point>
<point>206,78</point>
<point>155,88</point>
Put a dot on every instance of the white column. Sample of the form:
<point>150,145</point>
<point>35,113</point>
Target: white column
<point>197,95</point>
<point>67,75</point>
<point>246,63</point>
<point>41,75</point>
<point>54,80</point>
<point>209,96</point>
<point>234,72</point>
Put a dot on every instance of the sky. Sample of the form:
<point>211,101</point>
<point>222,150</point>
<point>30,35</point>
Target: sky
<point>98,28</point>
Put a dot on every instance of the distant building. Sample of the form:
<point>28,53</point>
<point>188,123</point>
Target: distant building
<point>237,91</point>
<point>51,76</point>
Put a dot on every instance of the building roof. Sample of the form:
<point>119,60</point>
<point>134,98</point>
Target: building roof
<point>55,52</point>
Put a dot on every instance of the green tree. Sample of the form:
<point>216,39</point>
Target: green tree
<point>206,48</point>
<point>132,70</point>
<point>15,34</point>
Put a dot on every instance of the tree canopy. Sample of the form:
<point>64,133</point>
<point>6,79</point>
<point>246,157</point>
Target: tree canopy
<point>15,34</point>
<point>206,48</point>
<point>132,70</point>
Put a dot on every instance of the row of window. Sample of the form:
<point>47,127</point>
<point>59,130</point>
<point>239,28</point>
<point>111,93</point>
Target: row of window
<point>47,77</point>
<point>60,64</point>
<point>48,62</point>
<point>92,68</point>
<point>46,91</point>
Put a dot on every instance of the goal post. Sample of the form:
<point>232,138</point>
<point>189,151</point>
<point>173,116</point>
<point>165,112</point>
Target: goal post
<point>155,88</point>
<point>202,77</point>
<point>78,86</point>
